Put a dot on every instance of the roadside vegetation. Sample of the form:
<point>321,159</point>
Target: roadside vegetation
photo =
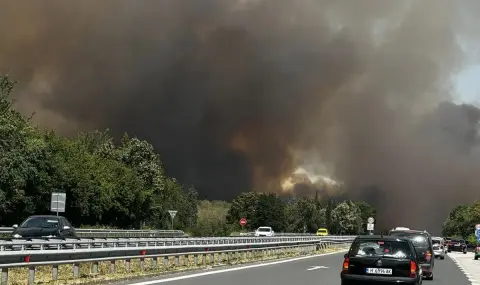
<point>122,184</point>
<point>461,222</point>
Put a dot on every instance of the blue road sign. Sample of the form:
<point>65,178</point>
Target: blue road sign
<point>478,239</point>
<point>477,233</point>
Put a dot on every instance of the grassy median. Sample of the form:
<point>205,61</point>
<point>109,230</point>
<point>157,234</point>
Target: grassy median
<point>43,274</point>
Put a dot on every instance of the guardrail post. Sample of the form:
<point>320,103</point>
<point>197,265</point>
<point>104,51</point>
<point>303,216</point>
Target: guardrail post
<point>112,266</point>
<point>31,275</point>
<point>76,270</point>
<point>142,263</point>
<point>127,265</point>
<point>165,261</point>
<point>154,262</point>
<point>195,259</point>
<point>177,260</point>
<point>54,272</point>
<point>95,267</point>
<point>4,276</point>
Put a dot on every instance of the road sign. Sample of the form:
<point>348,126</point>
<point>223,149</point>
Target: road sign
<point>370,227</point>
<point>58,202</point>
<point>172,213</point>
<point>371,220</point>
<point>477,233</point>
<point>243,222</point>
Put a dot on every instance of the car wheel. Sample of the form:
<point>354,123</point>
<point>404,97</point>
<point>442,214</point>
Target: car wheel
<point>476,257</point>
<point>442,257</point>
<point>464,252</point>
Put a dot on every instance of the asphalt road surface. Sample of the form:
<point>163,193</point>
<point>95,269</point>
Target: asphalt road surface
<point>324,270</point>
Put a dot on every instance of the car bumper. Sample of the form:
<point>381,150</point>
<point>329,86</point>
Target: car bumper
<point>426,269</point>
<point>352,279</point>
<point>439,252</point>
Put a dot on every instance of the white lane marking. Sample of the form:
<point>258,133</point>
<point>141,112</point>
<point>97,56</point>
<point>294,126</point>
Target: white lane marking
<point>230,269</point>
<point>467,266</point>
<point>317,267</point>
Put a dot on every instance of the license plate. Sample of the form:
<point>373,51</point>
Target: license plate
<point>382,271</point>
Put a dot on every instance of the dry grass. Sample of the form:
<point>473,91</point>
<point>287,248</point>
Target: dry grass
<point>43,274</point>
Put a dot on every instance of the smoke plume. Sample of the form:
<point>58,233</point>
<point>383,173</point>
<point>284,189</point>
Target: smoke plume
<point>237,94</point>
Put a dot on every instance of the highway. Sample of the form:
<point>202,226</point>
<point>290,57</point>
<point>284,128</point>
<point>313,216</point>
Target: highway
<point>324,270</point>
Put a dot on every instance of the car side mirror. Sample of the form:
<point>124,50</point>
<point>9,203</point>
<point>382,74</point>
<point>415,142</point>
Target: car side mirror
<point>15,226</point>
<point>345,255</point>
<point>66,228</point>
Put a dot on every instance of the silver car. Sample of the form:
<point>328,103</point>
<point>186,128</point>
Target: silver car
<point>439,249</point>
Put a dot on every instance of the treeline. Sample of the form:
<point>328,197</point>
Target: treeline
<point>124,185</point>
<point>462,220</point>
<point>120,185</point>
<point>301,215</point>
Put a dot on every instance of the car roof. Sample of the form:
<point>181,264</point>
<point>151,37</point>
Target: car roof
<point>410,232</point>
<point>382,237</point>
<point>45,216</point>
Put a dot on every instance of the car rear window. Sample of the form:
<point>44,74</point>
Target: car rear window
<point>380,248</point>
<point>263,229</point>
<point>417,239</point>
<point>435,241</point>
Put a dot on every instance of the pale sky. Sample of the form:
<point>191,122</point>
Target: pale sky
<point>468,85</point>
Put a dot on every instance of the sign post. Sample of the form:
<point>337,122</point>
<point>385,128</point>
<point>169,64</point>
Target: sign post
<point>58,202</point>
<point>172,215</point>
<point>370,225</point>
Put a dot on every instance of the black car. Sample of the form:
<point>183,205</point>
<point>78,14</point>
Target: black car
<point>457,245</point>
<point>47,226</point>
<point>422,242</point>
<point>381,260</point>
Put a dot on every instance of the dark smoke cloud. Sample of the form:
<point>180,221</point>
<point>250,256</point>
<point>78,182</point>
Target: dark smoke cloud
<point>229,91</point>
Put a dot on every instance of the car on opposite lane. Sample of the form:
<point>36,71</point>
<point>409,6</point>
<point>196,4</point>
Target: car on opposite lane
<point>374,259</point>
<point>457,244</point>
<point>439,249</point>
<point>44,226</point>
<point>422,242</point>
<point>264,232</point>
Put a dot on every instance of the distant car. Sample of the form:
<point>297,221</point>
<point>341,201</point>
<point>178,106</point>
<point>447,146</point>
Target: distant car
<point>44,226</point>
<point>374,259</point>
<point>322,232</point>
<point>456,244</point>
<point>439,249</point>
<point>264,232</point>
<point>422,241</point>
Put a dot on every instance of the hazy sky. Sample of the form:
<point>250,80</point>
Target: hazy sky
<point>468,85</point>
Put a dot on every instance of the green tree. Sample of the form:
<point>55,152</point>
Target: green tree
<point>212,219</point>
<point>347,217</point>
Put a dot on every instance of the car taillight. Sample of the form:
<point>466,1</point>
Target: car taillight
<point>345,264</point>
<point>429,255</point>
<point>413,269</point>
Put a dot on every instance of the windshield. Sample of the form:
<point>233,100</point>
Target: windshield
<point>40,222</point>
<point>457,241</point>
<point>263,229</point>
<point>322,231</point>
<point>417,239</point>
<point>379,248</point>
<point>436,241</point>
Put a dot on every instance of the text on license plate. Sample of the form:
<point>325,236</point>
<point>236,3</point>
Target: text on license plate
<point>383,271</point>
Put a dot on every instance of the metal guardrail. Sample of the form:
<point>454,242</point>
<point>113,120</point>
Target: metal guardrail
<point>32,253</point>
<point>99,233</point>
